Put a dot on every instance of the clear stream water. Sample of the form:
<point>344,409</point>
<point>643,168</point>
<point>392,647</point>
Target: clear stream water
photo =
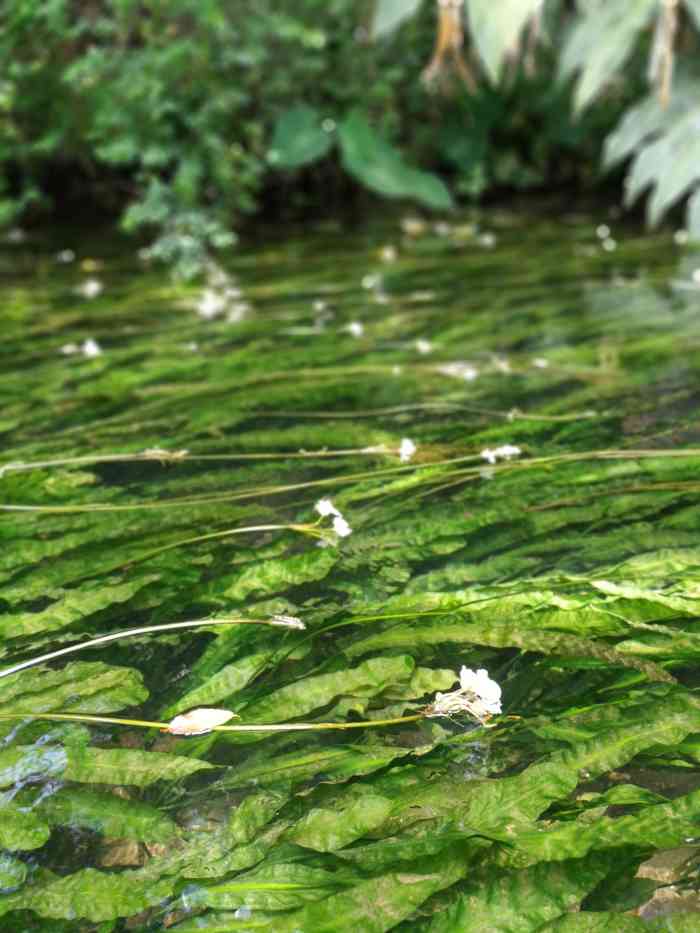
<point>147,425</point>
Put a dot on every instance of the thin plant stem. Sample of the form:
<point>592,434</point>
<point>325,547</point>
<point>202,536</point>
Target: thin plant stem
<point>145,630</point>
<point>263,727</point>
<point>183,502</point>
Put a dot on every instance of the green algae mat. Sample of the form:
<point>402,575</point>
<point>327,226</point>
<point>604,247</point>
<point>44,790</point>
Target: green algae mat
<point>324,488</point>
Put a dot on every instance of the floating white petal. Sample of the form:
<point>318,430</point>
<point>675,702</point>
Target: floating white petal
<point>325,507</point>
<point>91,348</point>
<point>287,621</point>
<point>406,450</point>
<point>486,691</point>
<point>90,288</point>
<point>341,527</point>
<point>198,721</point>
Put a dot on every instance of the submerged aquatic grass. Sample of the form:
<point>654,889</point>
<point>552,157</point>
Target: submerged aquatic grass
<point>504,461</point>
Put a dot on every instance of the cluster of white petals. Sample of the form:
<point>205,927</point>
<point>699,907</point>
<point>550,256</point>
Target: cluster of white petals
<point>89,348</point>
<point>505,452</point>
<point>477,694</point>
<point>325,509</point>
<point>221,295</point>
<point>406,450</point>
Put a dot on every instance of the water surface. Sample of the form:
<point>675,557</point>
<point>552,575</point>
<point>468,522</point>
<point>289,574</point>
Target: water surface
<point>146,426</point>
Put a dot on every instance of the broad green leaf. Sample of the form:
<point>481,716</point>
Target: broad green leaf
<point>20,829</point>
<point>227,922</point>
<point>272,887</point>
<point>380,167</point>
<point>496,28</point>
<point>521,901</point>
<point>327,830</point>
<point>645,121</point>
<point>431,633</point>
<point>335,763</point>
<point>127,766</point>
<point>113,816</point>
<point>90,894</point>
<point>71,607</point>
<point>302,697</point>
<point>597,922</point>
<point>661,826</point>
<point>389,14</point>
<point>298,138</point>
<point>12,872</point>
<point>90,765</point>
<point>85,687</point>
<point>228,681</point>
<point>601,41</point>
<point>20,762</point>
<point>274,576</point>
<point>378,904</point>
<point>253,813</point>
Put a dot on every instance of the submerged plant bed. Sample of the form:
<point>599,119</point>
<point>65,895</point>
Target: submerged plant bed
<point>302,497</point>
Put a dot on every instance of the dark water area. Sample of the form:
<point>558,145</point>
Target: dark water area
<point>502,410</point>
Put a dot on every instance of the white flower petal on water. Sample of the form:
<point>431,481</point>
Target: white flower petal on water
<point>486,691</point>
<point>90,288</point>
<point>65,256</point>
<point>459,371</point>
<point>68,349</point>
<point>356,328</point>
<point>341,527</point>
<point>406,450</point>
<point>325,507</point>
<point>198,721</point>
<point>211,304</point>
<point>91,348</point>
<point>505,452</point>
<point>287,621</point>
<point>423,346</point>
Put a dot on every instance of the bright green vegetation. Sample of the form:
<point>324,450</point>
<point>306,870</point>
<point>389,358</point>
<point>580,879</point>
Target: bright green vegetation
<point>571,572</point>
<point>180,119</point>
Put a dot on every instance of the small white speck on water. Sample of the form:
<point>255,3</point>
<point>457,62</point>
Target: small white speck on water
<point>65,256</point>
<point>681,237</point>
<point>91,348</point>
<point>355,328</point>
<point>423,346</point>
<point>487,240</point>
<point>90,288</point>
<point>370,281</point>
<point>609,244</point>
<point>406,450</point>
<point>602,231</point>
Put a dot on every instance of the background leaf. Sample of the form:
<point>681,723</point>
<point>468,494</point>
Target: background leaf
<point>298,138</point>
<point>380,167</point>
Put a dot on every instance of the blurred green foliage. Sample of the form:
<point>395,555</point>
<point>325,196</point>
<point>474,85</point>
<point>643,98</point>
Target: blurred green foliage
<point>182,117</point>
